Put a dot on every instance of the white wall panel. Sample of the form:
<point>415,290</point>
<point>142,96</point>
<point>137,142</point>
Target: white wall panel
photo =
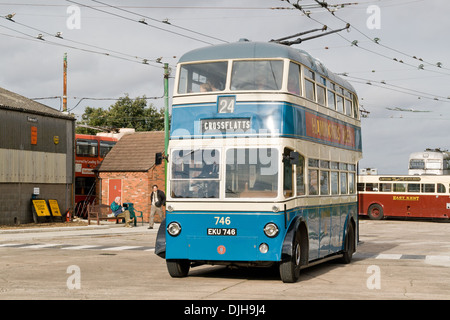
<point>32,167</point>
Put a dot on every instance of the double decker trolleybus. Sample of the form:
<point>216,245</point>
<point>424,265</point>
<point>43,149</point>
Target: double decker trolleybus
<point>404,196</point>
<point>430,161</point>
<point>89,153</point>
<point>262,161</point>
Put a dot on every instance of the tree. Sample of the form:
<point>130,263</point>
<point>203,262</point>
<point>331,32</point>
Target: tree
<point>125,113</point>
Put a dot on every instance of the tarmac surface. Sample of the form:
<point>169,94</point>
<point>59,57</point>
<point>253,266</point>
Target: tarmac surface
<point>394,260</point>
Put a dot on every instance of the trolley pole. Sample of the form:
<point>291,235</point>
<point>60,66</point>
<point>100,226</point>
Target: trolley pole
<point>166,121</point>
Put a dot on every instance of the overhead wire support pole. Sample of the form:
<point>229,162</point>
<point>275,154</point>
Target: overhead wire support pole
<point>166,120</point>
<point>65,83</point>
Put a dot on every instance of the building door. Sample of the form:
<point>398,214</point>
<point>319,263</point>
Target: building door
<point>115,190</point>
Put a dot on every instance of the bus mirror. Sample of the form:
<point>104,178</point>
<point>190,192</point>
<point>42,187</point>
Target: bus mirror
<point>294,156</point>
<point>158,158</point>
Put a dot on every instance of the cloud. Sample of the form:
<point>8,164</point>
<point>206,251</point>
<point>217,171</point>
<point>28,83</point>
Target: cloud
<point>34,69</point>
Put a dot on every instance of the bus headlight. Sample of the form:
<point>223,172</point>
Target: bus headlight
<point>271,230</point>
<point>174,229</point>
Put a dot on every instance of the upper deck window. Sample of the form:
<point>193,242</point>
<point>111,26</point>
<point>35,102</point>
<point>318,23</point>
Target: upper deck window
<point>257,75</point>
<point>202,77</point>
<point>310,91</point>
<point>87,148</point>
<point>294,78</point>
<point>105,147</point>
<point>416,164</point>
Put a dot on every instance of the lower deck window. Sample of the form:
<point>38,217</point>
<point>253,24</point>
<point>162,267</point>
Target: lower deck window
<point>251,173</point>
<point>195,173</point>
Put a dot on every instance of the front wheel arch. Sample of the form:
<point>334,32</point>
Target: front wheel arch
<point>295,251</point>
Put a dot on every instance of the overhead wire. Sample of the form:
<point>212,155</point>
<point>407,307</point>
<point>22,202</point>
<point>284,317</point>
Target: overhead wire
<point>377,40</point>
<point>141,22</point>
<point>356,44</point>
<point>93,99</point>
<point>114,99</point>
<point>383,84</point>
<point>159,21</point>
<point>108,52</point>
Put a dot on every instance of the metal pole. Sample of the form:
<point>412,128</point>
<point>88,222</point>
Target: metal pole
<point>65,84</point>
<point>166,121</point>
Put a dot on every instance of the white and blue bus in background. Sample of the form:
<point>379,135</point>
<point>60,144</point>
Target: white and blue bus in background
<point>263,151</point>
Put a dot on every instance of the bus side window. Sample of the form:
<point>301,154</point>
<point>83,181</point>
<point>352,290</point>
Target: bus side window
<point>413,187</point>
<point>294,78</point>
<point>300,178</point>
<point>288,176</point>
<point>310,91</point>
<point>335,182</point>
<point>399,187</point>
<point>313,177</point>
<point>351,183</point>
<point>428,187</point>
<point>324,177</point>
<point>355,106</point>
<point>343,182</point>
<point>440,188</point>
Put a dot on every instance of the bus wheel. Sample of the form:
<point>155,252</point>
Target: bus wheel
<point>290,270</point>
<point>178,268</point>
<point>375,212</point>
<point>349,245</point>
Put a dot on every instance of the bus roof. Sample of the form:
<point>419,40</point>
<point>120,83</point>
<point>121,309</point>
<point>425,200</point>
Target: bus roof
<point>404,178</point>
<point>245,49</point>
<point>430,154</point>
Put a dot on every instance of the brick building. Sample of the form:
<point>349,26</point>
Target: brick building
<point>129,170</point>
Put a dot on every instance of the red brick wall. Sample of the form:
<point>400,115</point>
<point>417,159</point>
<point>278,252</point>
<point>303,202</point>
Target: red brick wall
<point>136,187</point>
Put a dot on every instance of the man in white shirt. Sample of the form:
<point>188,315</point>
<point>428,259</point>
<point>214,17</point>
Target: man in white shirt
<point>158,199</point>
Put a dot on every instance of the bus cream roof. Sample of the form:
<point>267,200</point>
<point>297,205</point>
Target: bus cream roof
<point>251,50</point>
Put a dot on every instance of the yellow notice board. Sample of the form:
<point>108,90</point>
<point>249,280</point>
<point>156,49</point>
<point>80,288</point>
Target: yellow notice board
<point>54,207</point>
<point>41,208</point>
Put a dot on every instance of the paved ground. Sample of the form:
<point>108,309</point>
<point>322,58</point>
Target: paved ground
<point>395,260</point>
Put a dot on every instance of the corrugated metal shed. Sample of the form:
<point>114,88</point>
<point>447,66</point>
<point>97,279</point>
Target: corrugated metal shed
<point>36,153</point>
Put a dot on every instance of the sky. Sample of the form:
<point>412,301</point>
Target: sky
<point>395,54</point>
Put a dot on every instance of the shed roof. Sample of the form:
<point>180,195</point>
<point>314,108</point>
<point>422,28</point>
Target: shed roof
<point>14,101</point>
<point>134,152</point>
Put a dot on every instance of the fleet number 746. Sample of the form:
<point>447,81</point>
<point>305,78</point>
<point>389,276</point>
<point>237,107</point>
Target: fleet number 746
<point>223,220</point>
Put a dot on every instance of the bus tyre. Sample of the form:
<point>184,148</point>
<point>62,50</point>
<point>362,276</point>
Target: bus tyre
<point>375,212</point>
<point>178,268</point>
<point>349,245</point>
<point>290,269</point>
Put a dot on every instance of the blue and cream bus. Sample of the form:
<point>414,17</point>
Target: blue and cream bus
<point>263,151</point>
